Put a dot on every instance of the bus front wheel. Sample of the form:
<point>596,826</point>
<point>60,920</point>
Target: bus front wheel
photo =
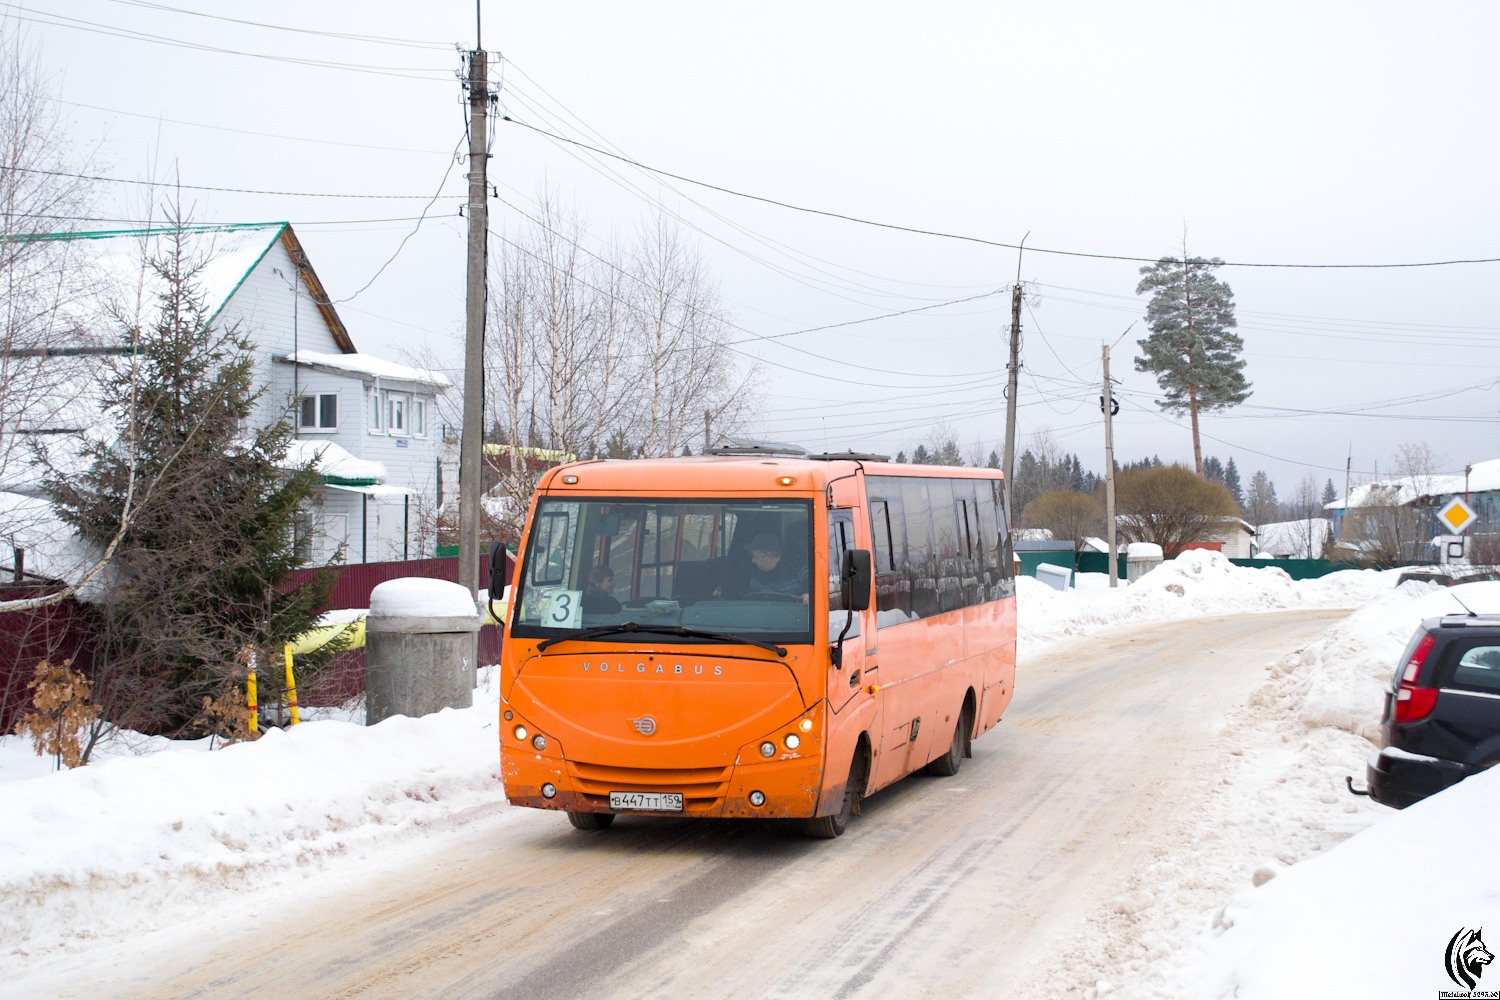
<point>828,827</point>
<point>591,821</point>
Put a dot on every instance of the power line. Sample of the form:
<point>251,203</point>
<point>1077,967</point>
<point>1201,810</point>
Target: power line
<point>973,239</point>
<point>228,190</point>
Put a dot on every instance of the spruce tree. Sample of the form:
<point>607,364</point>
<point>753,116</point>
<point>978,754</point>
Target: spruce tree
<point>1232,483</point>
<point>204,510</point>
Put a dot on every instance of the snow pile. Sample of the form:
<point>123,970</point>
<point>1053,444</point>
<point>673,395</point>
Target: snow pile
<point>1198,582</point>
<point>1374,917</point>
<point>88,851</point>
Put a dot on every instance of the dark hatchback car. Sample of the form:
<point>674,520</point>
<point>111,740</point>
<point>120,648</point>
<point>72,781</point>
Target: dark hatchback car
<point>1442,711</point>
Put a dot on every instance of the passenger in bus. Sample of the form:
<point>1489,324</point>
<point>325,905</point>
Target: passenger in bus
<point>770,574</point>
<point>597,597</point>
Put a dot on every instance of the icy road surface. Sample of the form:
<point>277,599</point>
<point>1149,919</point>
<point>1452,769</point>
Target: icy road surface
<point>980,885</point>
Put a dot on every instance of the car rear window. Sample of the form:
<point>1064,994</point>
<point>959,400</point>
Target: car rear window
<point>1478,669</point>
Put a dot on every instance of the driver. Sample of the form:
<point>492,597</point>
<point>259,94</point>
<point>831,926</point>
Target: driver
<point>770,574</point>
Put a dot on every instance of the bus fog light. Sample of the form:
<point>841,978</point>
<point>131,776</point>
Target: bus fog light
<point>757,799</point>
<point>549,791</point>
<point>768,749</point>
<point>521,733</point>
<point>792,741</point>
<point>539,741</point>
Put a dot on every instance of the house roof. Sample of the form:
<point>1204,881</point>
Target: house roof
<point>230,252</point>
<point>1482,477</point>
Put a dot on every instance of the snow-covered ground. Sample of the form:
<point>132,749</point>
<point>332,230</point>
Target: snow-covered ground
<point>1284,885</point>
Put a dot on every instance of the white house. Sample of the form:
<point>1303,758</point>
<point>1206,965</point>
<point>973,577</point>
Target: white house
<point>369,421</point>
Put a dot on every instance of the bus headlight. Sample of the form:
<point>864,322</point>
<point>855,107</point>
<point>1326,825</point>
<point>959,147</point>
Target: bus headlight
<point>768,749</point>
<point>792,741</point>
<point>539,741</point>
<point>521,733</point>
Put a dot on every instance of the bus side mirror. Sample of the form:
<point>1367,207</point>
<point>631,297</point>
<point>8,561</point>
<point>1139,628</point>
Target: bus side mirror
<point>856,576</point>
<point>497,569</point>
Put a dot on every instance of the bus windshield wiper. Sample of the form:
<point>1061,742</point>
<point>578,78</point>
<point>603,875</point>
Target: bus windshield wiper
<point>680,630</point>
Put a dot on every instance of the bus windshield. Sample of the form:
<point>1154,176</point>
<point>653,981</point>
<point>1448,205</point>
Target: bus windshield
<point>741,567</point>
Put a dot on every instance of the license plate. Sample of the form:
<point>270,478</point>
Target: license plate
<point>652,801</point>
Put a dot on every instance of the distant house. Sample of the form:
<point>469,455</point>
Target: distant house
<point>1305,539</point>
<point>370,422</point>
<point>1358,517</point>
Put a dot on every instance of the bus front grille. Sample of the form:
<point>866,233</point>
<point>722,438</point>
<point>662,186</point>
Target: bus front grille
<point>701,785</point>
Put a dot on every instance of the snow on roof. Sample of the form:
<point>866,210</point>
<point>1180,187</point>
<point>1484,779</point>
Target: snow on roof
<point>53,550</point>
<point>333,462</point>
<point>1483,477</point>
<point>364,364</point>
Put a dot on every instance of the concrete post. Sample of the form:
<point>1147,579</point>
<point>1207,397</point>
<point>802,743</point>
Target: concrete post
<point>421,648</point>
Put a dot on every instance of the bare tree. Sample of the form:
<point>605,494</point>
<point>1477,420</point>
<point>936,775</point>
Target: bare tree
<point>44,291</point>
<point>595,350</point>
<point>1306,510</point>
<point>676,332</point>
<point>1171,506</point>
<point>1390,522</point>
<point>1068,515</point>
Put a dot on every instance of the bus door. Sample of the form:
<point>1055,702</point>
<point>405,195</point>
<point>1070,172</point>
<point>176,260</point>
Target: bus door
<point>849,664</point>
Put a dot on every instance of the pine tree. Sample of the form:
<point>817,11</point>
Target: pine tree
<point>920,456</point>
<point>1213,470</point>
<point>1191,351</point>
<point>209,511</point>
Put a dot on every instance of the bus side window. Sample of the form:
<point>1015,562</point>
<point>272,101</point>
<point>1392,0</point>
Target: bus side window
<point>921,569</point>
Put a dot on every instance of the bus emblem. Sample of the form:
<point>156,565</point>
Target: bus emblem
<point>645,725</point>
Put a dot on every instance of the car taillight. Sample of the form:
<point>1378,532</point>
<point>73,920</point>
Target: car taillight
<point>1413,701</point>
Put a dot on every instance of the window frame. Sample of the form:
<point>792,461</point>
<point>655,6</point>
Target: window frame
<point>319,401</point>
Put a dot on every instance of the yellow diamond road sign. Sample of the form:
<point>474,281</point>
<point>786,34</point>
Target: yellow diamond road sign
<point>1457,515</point>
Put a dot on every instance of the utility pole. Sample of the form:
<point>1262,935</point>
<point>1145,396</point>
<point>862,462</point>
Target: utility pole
<point>1012,370</point>
<point>1108,402</point>
<point>471,444</point>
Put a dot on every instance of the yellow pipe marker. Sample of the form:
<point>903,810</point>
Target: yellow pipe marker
<point>291,685</point>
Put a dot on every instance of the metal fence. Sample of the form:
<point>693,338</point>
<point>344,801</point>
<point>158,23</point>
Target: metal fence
<point>62,631</point>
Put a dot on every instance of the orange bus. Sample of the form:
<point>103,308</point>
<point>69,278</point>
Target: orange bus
<point>752,635</point>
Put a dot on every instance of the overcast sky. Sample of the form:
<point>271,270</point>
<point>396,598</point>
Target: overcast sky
<point>1265,133</point>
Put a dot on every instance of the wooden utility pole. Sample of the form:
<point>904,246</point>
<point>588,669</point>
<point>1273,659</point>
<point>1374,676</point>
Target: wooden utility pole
<point>1108,402</point>
<point>471,444</point>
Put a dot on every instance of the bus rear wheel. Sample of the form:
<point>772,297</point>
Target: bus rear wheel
<point>948,764</point>
<point>591,821</point>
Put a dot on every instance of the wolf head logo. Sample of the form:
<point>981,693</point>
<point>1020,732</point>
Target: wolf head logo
<point>1467,956</point>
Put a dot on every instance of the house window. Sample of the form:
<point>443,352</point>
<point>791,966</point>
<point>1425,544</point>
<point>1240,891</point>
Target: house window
<point>377,423</point>
<point>319,412</point>
<point>419,418</point>
<point>303,526</point>
<point>396,414</point>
